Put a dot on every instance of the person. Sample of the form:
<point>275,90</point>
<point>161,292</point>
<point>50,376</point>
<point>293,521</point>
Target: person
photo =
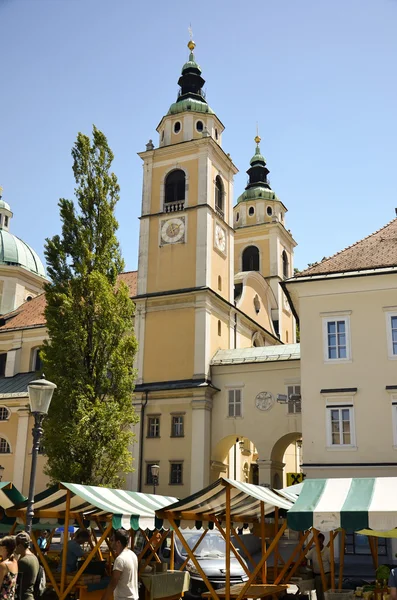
<point>42,540</point>
<point>393,584</point>
<point>28,565</point>
<point>74,550</point>
<point>124,581</point>
<point>8,568</point>
<point>315,565</point>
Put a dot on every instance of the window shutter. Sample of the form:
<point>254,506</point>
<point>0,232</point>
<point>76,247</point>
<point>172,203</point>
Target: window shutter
<point>231,403</point>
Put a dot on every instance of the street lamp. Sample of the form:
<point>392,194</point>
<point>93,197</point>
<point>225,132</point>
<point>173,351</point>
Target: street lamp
<point>40,395</point>
<point>155,470</point>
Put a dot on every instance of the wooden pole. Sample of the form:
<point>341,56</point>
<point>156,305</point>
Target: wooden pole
<point>197,544</point>
<point>291,559</point>
<point>320,559</point>
<point>298,562</point>
<point>172,555</point>
<point>192,557</point>
<point>244,547</point>
<point>332,556</point>
<point>106,539</point>
<point>65,541</point>
<point>376,540</point>
<point>262,560</point>
<point>276,557</point>
<point>233,548</point>
<point>263,540</point>
<point>341,558</point>
<point>228,533</point>
<point>47,569</point>
<point>88,559</point>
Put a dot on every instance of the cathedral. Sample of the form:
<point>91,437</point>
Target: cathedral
<point>223,387</point>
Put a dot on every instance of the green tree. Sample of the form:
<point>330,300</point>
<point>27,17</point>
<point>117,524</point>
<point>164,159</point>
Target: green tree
<point>91,346</point>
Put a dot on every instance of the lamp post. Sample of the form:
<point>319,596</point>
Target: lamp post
<point>40,396</point>
<point>155,470</point>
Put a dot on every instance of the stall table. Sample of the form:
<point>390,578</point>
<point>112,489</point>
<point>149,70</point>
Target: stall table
<point>170,585</point>
<point>256,590</point>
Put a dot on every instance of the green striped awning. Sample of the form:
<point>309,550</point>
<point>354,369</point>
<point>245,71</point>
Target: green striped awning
<point>9,495</point>
<point>352,504</point>
<point>245,503</point>
<point>126,509</point>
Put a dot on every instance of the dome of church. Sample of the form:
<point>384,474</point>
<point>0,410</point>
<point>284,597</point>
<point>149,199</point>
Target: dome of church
<point>14,251</point>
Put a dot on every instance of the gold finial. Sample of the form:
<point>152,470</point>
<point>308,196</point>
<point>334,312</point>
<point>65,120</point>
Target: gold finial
<point>191,45</point>
<point>257,139</point>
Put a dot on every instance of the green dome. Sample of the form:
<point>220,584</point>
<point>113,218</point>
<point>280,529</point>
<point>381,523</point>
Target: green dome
<point>190,104</point>
<point>256,193</point>
<point>258,157</point>
<point>14,251</point>
<point>4,205</point>
<point>191,64</point>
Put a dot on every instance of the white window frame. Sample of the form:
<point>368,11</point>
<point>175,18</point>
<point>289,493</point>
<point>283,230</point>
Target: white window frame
<point>389,316</point>
<point>340,406</point>
<point>8,413</point>
<point>293,405</point>
<point>333,319</point>
<point>234,390</point>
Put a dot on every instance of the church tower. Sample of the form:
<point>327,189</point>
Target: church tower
<point>262,243</point>
<point>184,304</point>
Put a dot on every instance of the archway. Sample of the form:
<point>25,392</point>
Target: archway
<point>286,456</point>
<point>235,457</point>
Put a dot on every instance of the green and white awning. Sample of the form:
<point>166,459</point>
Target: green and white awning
<point>9,495</point>
<point>126,509</point>
<point>352,504</point>
<point>245,504</point>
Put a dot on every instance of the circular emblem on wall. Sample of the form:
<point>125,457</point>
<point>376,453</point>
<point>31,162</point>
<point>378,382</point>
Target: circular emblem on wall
<point>264,401</point>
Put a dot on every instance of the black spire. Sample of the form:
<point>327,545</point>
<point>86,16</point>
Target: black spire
<point>190,81</point>
<point>258,170</point>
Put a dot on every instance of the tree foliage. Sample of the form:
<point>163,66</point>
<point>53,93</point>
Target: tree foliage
<point>91,346</point>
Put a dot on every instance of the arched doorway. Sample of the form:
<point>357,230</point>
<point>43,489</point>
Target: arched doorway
<point>235,457</point>
<point>286,456</point>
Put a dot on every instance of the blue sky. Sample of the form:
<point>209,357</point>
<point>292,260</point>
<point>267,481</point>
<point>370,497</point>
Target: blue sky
<point>317,75</point>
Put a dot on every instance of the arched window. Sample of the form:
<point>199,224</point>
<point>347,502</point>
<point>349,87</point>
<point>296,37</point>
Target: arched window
<point>175,186</point>
<point>4,446</point>
<point>251,259</point>
<point>219,328</point>
<point>219,194</point>
<point>285,264</point>
<point>36,360</point>
<point>4,413</point>
<point>219,283</point>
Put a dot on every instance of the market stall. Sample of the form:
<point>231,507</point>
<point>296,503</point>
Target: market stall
<point>9,496</point>
<point>97,508</point>
<point>362,505</point>
<point>228,505</point>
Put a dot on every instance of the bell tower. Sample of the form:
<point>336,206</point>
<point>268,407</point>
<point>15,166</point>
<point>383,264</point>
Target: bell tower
<point>262,242</point>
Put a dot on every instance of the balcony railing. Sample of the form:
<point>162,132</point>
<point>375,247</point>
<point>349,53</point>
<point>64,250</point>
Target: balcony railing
<point>219,211</point>
<point>170,207</point>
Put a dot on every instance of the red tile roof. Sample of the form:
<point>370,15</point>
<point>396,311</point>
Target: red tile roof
<point>31,313</point>
<point>377,251</point>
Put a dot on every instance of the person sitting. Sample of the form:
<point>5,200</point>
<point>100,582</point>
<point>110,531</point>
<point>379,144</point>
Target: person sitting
<point>74,550</point>
<point>8,568</point>
<point>28,565</point>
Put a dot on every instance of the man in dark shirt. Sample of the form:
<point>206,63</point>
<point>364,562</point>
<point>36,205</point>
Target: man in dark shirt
<point>28,565</point>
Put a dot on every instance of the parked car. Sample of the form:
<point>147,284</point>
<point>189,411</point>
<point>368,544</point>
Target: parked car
<point>211,556</point>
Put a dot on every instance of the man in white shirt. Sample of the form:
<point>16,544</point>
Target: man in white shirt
<point>124,581</point>
<point>315,565</point>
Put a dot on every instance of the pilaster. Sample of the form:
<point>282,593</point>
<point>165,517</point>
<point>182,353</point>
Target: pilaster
<point>21,448</point>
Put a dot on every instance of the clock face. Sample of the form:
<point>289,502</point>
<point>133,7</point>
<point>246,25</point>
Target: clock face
<point>220,238</point>
<point>173,230</point>
<point>264,401</point>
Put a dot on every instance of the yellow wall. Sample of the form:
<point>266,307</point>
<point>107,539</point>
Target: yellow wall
<point>169,345</point>
<point>370,370</point>
<point>172,266</point>
<point>220,267</point>
<point>243,238</point>
<point>166,448</point>
<point>246,304</point>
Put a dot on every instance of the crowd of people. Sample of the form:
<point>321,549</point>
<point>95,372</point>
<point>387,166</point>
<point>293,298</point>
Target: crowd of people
<point>20,568</point>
